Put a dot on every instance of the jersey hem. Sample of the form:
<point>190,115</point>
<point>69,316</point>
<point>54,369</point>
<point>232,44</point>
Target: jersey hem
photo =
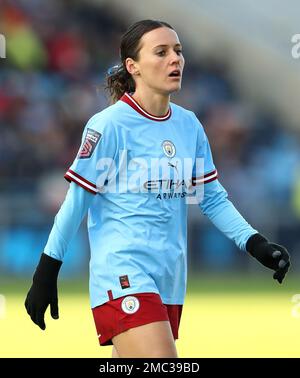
<point>164,300</point>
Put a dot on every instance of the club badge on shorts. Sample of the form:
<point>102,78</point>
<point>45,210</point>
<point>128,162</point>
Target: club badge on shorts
<point>168,148</point>
<point>130,305</point>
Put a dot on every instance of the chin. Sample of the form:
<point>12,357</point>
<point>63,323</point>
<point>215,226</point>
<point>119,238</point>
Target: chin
<point>170,89</point>
<point>175,88</point>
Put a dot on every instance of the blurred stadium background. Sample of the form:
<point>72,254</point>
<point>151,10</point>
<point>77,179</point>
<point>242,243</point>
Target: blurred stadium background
<point>244,85</point>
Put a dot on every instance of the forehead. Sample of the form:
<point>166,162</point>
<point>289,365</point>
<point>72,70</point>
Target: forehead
<point>160,36</point>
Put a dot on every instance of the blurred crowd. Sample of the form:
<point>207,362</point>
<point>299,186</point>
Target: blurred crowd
<point>51,83</point>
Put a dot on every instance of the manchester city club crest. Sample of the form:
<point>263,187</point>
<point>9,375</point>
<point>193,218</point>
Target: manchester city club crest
<point>130,305</point>
<point>168,148</point>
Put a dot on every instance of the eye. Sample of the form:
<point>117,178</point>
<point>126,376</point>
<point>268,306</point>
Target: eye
<point>179,52</point>
<point>161,53</point>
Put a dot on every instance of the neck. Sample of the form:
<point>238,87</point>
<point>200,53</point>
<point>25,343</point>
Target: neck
<point>156,104</point>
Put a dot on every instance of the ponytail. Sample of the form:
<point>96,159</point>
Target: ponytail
<point>119,81</point>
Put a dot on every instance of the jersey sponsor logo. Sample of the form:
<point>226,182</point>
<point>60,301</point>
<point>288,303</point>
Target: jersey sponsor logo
<point>171,195</point>
<point>90,142</point>
<point>130,305</point>
<point>168,148</point>
<point>124,281</point>
<point>181,175</point>
<point>167,184</point>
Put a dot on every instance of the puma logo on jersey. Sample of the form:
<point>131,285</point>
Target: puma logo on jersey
<point>173,166</point>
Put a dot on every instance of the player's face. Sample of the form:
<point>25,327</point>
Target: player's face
<point>161,62</point>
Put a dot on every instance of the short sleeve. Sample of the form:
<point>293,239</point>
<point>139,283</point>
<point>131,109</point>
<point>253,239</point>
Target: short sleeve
<point>95,156</point>
<point>204,170</point>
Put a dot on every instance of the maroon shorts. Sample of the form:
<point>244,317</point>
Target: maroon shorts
<point>121,314</point>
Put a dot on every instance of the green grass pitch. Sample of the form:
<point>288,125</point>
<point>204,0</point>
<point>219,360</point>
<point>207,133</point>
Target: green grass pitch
<point>222,317</point>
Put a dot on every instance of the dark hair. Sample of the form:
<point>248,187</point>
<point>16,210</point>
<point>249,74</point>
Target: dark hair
<point>118,79</point>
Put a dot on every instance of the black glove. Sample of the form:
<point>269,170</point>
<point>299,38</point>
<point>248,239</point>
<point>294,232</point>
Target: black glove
<point>271,255</point>
<point>43,291</point>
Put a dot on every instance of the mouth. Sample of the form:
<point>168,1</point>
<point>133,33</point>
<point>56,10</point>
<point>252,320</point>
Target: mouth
<point>175,74</point>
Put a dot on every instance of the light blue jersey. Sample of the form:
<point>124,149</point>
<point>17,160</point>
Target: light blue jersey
<point>144,171</point>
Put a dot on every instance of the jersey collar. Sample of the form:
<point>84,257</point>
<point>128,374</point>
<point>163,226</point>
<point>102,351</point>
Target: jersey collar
<point>135,105</point>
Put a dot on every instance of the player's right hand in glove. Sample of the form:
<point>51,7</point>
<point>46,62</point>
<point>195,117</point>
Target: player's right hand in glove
<point>271,255</point>
<point>43,291</point>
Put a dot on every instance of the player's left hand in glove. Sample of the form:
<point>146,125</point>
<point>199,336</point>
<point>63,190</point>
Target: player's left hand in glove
<point>43,291</point>
<point>271,255</point>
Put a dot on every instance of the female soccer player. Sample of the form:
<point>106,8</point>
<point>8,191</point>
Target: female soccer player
<point>141,161</point>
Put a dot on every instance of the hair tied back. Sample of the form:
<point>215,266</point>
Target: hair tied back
<point>115,69</point>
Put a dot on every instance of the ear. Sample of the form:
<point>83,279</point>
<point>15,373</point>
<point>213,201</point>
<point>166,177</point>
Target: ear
<point>132,66</point>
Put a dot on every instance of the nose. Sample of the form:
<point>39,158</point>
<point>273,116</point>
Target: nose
<point>175,58</point>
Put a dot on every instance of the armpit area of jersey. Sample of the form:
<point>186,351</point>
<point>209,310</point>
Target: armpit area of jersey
<point>81,181</point>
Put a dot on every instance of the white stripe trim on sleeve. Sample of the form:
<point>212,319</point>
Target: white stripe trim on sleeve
<point>81,182</point>
<point>202,179</point>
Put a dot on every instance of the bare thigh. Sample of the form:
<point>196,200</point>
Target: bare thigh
<point>114,353</point>
<point>153,340</point>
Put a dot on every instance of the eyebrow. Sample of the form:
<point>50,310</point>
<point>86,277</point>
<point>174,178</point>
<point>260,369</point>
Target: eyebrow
<point>176,45</point>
